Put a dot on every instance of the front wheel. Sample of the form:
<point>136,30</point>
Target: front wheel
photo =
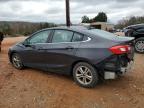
<point>17,62</point>
<point>85,75</point>
<point>139,45</point>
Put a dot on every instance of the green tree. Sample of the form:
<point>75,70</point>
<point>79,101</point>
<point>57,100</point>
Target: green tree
<point>101,17</point>
<point>85,19</point>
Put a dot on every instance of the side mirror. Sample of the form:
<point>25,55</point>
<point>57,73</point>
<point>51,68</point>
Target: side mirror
<point>26,43</point>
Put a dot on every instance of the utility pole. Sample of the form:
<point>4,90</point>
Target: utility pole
<point>67,13</point>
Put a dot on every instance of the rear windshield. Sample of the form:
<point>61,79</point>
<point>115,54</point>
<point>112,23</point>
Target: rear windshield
<point>102,33</point>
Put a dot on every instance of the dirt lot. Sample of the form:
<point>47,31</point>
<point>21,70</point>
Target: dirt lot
<point>32,88</point>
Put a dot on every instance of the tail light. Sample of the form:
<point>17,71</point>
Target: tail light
<point>120,49</point>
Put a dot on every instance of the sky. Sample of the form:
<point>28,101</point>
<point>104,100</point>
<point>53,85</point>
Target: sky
<point>54,10</point>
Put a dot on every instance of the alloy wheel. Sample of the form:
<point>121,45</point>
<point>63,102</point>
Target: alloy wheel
<point>16,61</point>
<point>84,75</point>
<point>140,46</point>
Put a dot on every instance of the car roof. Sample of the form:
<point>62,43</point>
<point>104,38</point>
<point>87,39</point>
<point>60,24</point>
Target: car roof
<point>136,25</point>
<point>92,33</point>
<point>79,29</point>
<point>70,28</point>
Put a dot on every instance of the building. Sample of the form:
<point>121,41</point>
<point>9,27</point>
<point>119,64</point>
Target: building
<point>100,25</point>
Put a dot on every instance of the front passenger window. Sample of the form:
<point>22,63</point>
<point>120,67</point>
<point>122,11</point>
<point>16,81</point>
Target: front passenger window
<point>40,37</point>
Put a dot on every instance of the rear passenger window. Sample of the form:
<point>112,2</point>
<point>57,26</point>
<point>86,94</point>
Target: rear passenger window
<point>62,36</point>
<point>77,37</point>
<point>85,38</point>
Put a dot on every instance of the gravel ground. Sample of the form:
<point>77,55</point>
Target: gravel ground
<point>30,88</point>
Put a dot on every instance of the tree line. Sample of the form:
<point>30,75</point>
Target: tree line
<point>22,28</point>
<point>129,21</point>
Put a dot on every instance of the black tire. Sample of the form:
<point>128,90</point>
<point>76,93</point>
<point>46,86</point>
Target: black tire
<point>82,79</point>
<point>16,61</point>
<point>139,45</point>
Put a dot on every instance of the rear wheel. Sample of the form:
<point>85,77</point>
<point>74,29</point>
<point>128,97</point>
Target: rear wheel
<point>85,75</point>
<point>139,45</point>
<point>16,61</point>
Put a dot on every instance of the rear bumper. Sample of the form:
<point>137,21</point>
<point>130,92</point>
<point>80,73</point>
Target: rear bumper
<point>116,65</point>
<point>123,70</point>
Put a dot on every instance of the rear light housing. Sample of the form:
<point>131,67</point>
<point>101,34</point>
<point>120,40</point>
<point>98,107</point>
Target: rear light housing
<point>120,49</point>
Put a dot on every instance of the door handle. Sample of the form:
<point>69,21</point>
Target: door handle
<point>69,48</point>
<point>33,46</point>
<point>41,48</point>
<point>30,46</point>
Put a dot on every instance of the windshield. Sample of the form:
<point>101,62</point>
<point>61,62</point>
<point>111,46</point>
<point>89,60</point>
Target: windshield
<point>102,33</point>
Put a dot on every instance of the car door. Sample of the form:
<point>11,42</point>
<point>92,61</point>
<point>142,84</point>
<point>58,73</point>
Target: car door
<point>33,53</point>
<point>140,30</point>
<point>64,45</point>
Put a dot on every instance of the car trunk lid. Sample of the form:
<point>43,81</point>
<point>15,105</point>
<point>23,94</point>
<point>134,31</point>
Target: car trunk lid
<point>129,42</point>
